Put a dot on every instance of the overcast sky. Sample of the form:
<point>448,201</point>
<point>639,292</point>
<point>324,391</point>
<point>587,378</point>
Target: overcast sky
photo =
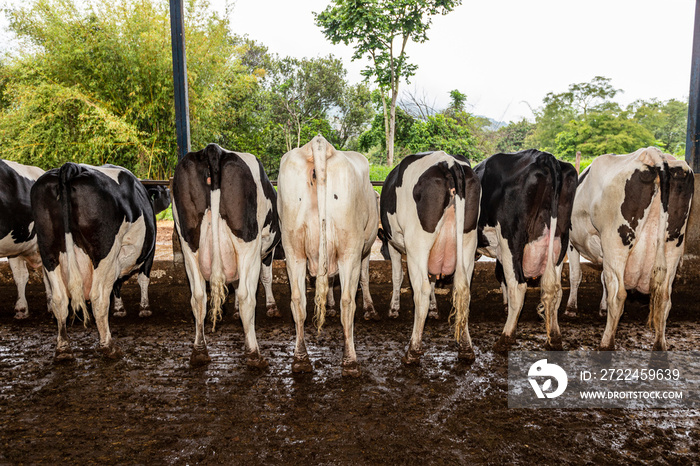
<point>504,54</point>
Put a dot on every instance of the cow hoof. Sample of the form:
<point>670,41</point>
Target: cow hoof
<point>658,346</point>
<point>64,355</point>
<point>21,314</point>
<point>272,311</point>
<point>119,313</point>
<point>111,352</point>
<point>554,345</point>
<point>302,364</point>
<point>145,313</point>
<point>571,312</point>
<point>411,358</point>
<point>607,348</point>
<point>434,314</point>
<point>394,313</point>
<point>255,361</point>
<point>330,312</point>
<point>466,355</point>
<point>199,357</point>
<point>503,344</point>
<point>372,314</point>
<point>351,369</point>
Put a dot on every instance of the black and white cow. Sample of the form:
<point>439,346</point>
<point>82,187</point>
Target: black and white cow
<point>429,210</point>
<point>95,226</point>
<point>225,212</point>
<point>630,216</point>
<point>526,203</point>
<point>17,235</point>
<point>329,218</point>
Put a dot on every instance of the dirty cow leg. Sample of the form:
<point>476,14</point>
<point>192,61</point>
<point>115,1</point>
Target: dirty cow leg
<point>100,309</point>
<point>247,288</point>
<point>145,307</point>
<point>198,302</point>
<point>349,278</point>
<point>59,306</point>
<point>432,308</point>
<point>296,271</point>
<point>574,282</point>
<point>396,280</point>
<point>21,276</point>
<point>418,273</point>
<point>603,309</point>
<point>616,294</point>
<point>266,279</point>
<point>367,303</point>
<point>330,299</point>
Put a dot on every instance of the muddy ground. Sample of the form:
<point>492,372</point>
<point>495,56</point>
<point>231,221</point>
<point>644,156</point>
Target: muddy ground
<point>151,407</point>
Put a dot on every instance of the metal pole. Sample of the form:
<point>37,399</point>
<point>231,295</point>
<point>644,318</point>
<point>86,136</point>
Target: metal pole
<point>692,141</point>
<point>182,106</point>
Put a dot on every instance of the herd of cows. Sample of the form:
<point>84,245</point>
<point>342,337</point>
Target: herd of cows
<point>90,228</point>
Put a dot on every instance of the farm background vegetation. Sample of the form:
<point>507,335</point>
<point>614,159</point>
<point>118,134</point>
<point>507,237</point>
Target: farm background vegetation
<point>91,82</point>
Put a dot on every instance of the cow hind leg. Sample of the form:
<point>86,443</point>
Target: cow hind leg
<point>551,299</point>
<point>330,298</point>
<point>603,308</point>
<point>198,302</point>
<point>367,303</point>
<point>574,282</point>
<point>296,270</point>
<point>145,306</point>
<point>266,279</point>
<point>59,306</point>
<point>418,274</point>
<point>349,278</point>
<point>616,295</point>
<point>432,307</point>
<point>396,280</point>
<point>20,274</point>
<point>100,309</point>
<point>659,308</point>
<point>247,287</point>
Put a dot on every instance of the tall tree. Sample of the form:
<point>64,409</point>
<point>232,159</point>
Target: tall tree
<point>559,109</point>
<point>305,90</point>
<point>380,31</point>
<point>92,81</point>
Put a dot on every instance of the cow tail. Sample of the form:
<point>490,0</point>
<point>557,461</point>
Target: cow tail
<point>550,287</point>
<point>73,275</point>
<point>217,280</point>
<point>319,149</point>
<point>460,288</point>
<point>658,275</point>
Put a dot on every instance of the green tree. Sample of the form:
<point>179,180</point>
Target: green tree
<point>354,112</point>
<point>512,137</point>
<point>559,109</point>
<point>380,30</point>
<point>92,81</point>
<point>667,121</point>
<point>606,132</point>
<point>304,90</point>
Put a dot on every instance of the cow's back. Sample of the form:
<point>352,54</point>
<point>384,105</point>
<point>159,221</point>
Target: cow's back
<point>15,206</point>
<point>351,207</point>
<point>521,194</point>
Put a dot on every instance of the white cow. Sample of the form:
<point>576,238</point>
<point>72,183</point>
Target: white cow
<point>329,219</point>
<point>630,216</point>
